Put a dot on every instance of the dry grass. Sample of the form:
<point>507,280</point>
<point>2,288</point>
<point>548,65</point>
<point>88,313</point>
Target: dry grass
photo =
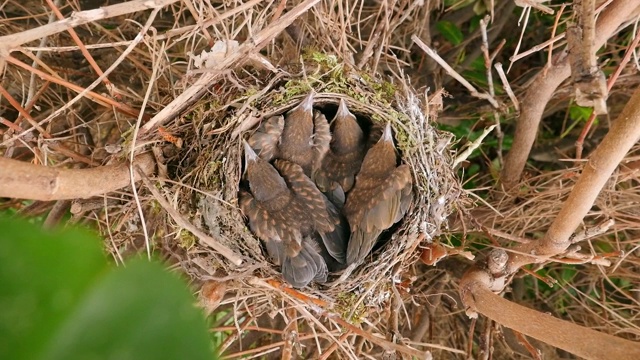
<point>362,52</point>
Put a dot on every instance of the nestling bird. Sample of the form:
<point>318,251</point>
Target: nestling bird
<point>337,173</point>
<point>302,136</point>
<point>287,211</point>
<point>379,198</point>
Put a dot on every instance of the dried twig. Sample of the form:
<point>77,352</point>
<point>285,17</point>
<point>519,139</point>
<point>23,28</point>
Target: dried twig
<point>236,59</point>
<point>22,180</point>
<point>477,283</point>
<point>589,80</point>
<point>612,80</point>
<point>177,217</point>
<point>472,90</point>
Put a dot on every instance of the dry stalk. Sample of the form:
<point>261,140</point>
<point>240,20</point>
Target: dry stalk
<point>589,81</point>
<point>472,90</point>
<point>9,43</point>
<point>579,340</point>
<point>612,80</point>
<point>234,60</point>
<point>178,218</point>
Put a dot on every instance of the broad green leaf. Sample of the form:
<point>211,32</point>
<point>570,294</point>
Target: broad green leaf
<point>43,277</point>
<point>450,32</point>
<point>580,113</point>
<point>60,300</point>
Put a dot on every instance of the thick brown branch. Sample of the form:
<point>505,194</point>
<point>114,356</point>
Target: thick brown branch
<point>22,180</point>
<point>623,134</point>
<point>581,341</point>
<point>478,283</point>
<point>541,90</point>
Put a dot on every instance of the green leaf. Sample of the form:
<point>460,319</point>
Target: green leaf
<point>450,32</point>
<point>60,300</point>
<point>580,113</point>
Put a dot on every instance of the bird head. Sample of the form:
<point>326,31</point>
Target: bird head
<point>347,133</point>
<point>299,122</point>
<point>264,180</point>
<point>304,109</point>
<point>381,158</point>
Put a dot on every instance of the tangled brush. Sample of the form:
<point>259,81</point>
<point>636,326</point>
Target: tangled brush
<point>197,226</point>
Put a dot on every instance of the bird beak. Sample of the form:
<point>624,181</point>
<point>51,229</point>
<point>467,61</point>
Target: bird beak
<point>387,135</point>
<point>343,111</point>
<point>307,103</point>
<point>249,154</point>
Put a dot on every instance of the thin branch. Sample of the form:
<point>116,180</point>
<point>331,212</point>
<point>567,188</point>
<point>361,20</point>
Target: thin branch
<point>11,42</point>
<point>474,145</point>
<point>581,341</point>
<point>507,86</point>
<point>236,59</point>
<point>610,82</point>
<point>589,81</point>
<point>83,49</point>
<point>434,55</point>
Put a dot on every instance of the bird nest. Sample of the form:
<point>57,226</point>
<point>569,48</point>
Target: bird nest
<point>209,167</point>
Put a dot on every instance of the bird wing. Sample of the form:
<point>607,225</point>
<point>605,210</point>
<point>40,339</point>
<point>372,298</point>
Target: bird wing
<point>406,194</point>
<point>325,176</point>
<point>379,206</point>
<point>325,179</point>
<point>271,227</point>
<point>376,209</point>
<point>347,182</point>
<point>391,203</point>
<point>266,139</point>
<point>335,241</point>
<point>360,244</point>
<point>327,220</point>
<point>336,196</point>
<point>305,192</point>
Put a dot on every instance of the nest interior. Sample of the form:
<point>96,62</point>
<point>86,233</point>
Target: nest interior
<point>213,163</point>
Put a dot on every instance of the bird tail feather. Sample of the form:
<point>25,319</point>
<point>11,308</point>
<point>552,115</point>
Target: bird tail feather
<point>306,266</point>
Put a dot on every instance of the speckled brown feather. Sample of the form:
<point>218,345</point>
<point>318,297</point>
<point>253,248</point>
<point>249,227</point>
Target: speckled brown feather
<point>302,137</point>
<point>345,155</point>
<point>326,219</point>
<point>379,199</point>
<point>265,140</point>
<point>290,215</point>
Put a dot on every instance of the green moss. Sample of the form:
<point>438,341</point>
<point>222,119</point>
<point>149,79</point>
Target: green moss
<point>212,105</point>
<point>383,90</point>
<point>212,174</point>
<point>251,91</point>
<point>324,59</point>
<point>345,303</point>
<point>326,74</point>
<point>403,140</point>
<point>186,239</point>
<point>155,206</point>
